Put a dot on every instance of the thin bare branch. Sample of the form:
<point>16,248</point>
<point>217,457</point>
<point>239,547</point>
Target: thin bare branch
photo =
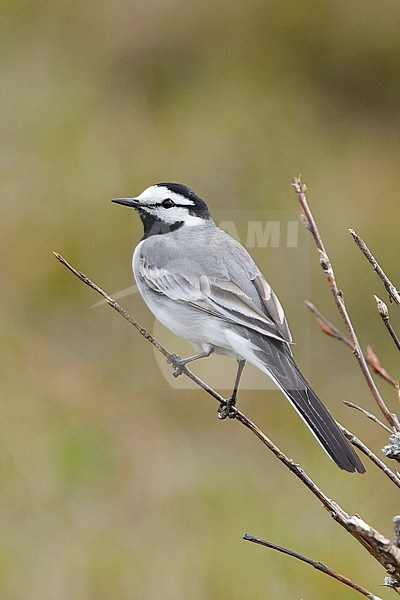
<point>369,415</point>
<point>329,329</point>
<point>137,325</point>
<point>113,304</point>
<point>384,314</point>
<point>390,288</point>
<point>301,190</point>
<point>377,461</point>
<point>376,366</point>
<point>314,563</point>
<point>385,553</point>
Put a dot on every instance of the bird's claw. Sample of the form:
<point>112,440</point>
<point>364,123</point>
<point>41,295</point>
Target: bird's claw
<point>178,364</point>
<point>225,409</point>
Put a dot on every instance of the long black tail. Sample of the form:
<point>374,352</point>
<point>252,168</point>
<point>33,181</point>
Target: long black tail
<point>278,362</point>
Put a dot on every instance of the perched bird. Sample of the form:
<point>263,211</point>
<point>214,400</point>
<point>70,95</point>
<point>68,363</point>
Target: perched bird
<point>205,287</point>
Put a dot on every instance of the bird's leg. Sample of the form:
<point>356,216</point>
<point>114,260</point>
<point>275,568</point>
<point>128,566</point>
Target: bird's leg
<point>224,410</point>
<point>179,363</point>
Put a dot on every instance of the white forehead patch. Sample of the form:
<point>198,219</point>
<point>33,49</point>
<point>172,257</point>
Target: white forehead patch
<point>155,194</point>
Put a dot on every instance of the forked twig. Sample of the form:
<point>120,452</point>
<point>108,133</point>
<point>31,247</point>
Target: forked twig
<point>368,415</point>
<point>377,461</point>
<point>329,329</point>
<point>301,190</point>
<point>314,563</point>
<point>390,288</point>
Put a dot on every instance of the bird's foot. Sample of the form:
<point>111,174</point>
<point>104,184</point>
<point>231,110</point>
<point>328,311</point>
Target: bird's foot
<point>178,364</point>
<point>225,409</point>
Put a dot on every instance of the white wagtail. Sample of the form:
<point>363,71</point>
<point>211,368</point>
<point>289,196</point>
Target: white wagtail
<point>205,287</point>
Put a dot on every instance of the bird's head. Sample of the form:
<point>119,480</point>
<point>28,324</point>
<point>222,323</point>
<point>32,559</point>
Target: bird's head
<point>166,206</point>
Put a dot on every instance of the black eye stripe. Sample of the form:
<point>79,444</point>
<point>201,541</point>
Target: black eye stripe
<point>170,204</point>
<point>174,204</point>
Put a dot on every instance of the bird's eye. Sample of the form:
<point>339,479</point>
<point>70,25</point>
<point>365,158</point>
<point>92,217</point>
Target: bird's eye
<point>168,203</point>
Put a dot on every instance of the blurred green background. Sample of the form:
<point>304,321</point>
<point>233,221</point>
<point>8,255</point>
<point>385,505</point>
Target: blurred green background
<point>109,489</point>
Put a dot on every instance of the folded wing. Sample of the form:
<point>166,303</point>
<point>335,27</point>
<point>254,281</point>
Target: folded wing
<point>221,297</point>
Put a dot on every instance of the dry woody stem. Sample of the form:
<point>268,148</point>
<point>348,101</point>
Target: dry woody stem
<point>329,329</point>
<point>314,563</point>
<point>377,461</point>
<point>301,190</point>
<point>390,288</point>
<point>367,414</point>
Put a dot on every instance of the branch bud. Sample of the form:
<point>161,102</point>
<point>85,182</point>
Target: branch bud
<point>382,308</point>
<point>324,261</point>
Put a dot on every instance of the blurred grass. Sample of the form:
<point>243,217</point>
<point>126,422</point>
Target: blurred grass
<point>112,491</point>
